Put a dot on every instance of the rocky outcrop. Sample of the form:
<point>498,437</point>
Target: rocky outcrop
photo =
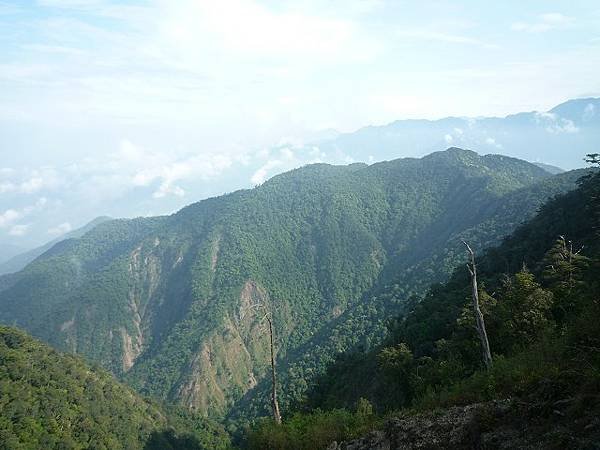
<point>230,361</point>
<point>501,425</point>
<point>145,272</point>
<point>456,428</point>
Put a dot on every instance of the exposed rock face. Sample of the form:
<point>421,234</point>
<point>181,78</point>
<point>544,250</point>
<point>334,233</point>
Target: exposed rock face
<point>231,360</point>
<point>214,257</point>
<point>501,425</point>
<point>456,428</point>
<point>145,272</point>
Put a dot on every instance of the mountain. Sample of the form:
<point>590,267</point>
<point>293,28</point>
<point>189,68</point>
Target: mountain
<point>169,303</point>
<point>426,385</point>
<point>580,111</point>
<point>550,169</point>
<point>437,317</point>
<point>20,260</point>
<point>544,137</point>
<point>8,250</point>
<point>54,401</point>
<point>560,137</point>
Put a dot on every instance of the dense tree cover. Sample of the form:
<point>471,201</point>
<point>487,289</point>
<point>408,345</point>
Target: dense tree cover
<point>50,400</point>
<point>313,431</point>
<point>157,301</point>
<point>541,301</point>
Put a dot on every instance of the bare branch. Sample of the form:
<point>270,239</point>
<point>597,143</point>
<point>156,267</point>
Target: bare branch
<point>468,248</point>
<point>485,345</point>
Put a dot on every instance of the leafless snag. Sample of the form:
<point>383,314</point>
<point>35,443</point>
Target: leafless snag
<point>485,345</point>
<point>268,317</point>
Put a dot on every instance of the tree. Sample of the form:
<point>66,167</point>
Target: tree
<point>593,158</point>
<point>563,271</point>
<point>480,323</point>
<point>274,402</point>
<point>522,311</point>
<point>268,318</point>
<point>397,362</point>
<point>591,183</point>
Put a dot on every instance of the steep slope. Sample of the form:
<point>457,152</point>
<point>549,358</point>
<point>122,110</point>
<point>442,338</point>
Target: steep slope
<point>20,260</point>
<point>426,386</point>
<point>49,400</point>
<point>550,169</point>
<point>166,302</point>
<point>433,328</point>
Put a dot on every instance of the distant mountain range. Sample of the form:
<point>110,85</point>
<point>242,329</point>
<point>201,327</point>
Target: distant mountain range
<point>560,137</point>
<point>550,169</point>
<point>20,260</point>
<point>9,250</point>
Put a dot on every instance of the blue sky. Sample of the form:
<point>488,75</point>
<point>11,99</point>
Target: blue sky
<point>124,95</point>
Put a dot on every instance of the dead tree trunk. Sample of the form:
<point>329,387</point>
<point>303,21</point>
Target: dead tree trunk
<point>485,345</point>
<point>274,402</point>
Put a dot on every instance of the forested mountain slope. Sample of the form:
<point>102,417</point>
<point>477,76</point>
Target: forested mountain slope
<point>528,251</point>
<point>164,302</point>
<point>50,401</point>
<point>540,296</point>
<point>19,261</point>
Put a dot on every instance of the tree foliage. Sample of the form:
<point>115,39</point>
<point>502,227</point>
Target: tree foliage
<point>540,297</point>
<point>50,400</point>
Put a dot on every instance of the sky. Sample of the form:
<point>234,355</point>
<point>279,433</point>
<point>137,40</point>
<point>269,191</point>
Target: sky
<point>140,107</point>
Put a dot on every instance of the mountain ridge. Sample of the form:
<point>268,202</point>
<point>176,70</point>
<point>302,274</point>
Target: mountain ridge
<point>520,135</point>
<point>159,301</point>
<point>19,261</point>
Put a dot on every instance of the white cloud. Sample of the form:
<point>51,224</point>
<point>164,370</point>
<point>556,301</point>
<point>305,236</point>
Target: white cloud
<point>491,141</point>
<point>248,28</point>
<point>133,166</point>
<point>198,86</point>
<point>32,185</point>
<point>19,230</point>
<point>317,156</point>
<point>197,167</point>
<point>545,22</point>
<point>588,113</point>
<point>30,181</point>
<point>448,138</point>
<point>167,189</point>
<point>60,229</point>
<point>260,176</point>
<point>9,216</point>
<point>7,186</point>
<point>564,126</point>
<point>554,124</point>
<point>286,160</point>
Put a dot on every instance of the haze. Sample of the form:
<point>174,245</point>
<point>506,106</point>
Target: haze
<point>141,107</point>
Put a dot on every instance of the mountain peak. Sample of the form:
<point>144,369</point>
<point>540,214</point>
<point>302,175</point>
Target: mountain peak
<point>579,110</point>
<point>454,153</point>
